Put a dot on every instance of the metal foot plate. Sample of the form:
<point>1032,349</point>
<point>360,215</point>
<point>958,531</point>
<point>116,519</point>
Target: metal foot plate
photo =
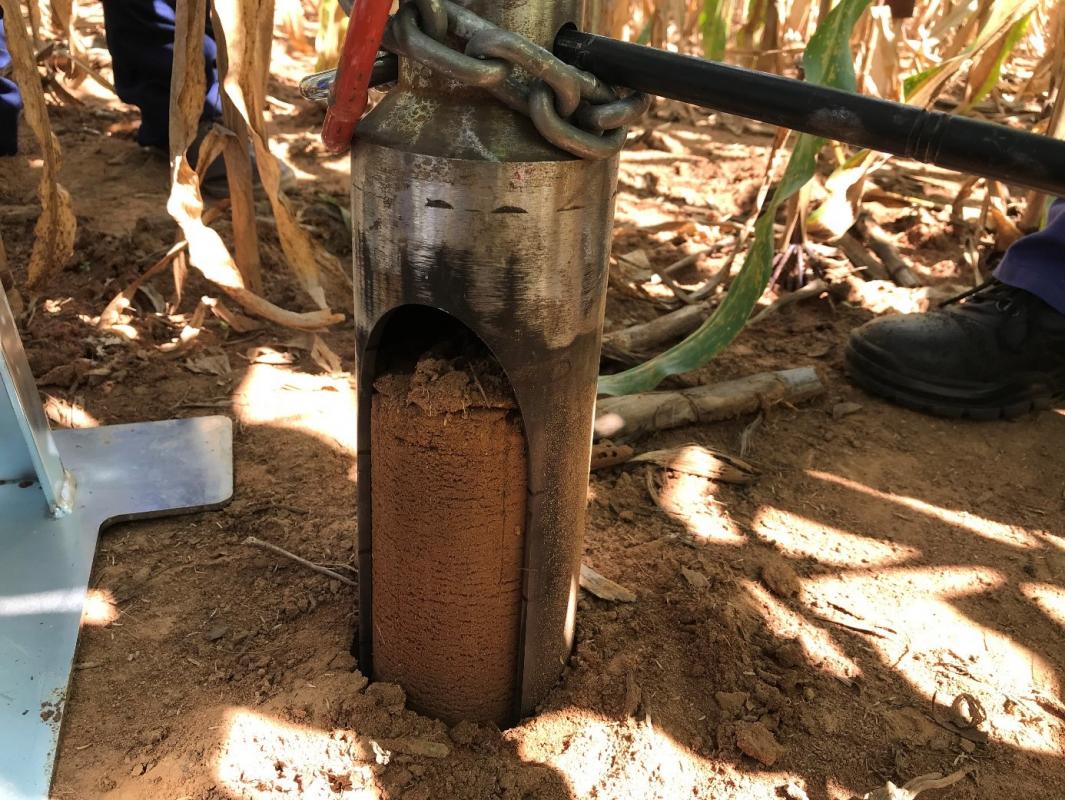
<point>123,472</point>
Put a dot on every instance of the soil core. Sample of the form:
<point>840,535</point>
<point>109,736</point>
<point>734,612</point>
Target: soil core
<point>449,482</point>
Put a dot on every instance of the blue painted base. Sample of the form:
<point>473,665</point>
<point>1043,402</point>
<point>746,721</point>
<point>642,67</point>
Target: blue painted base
<point>123,472</point>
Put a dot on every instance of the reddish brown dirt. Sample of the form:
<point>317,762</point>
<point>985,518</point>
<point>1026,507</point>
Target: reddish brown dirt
<point>882,565</point>
<point>448,542</point>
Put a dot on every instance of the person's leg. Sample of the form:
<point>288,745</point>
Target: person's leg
<point>1036,263</point>
<point>1000,352</point>
<point>140,36</point>
<point>10,102</point>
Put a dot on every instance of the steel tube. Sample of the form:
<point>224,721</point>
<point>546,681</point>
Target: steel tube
<point>459,205</point>
<point>958,143</point>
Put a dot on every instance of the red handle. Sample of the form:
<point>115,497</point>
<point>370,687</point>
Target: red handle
<point>347,101</point>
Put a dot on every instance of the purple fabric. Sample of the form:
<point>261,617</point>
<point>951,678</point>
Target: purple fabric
<point>1036,263</point>
<point>140,36</point>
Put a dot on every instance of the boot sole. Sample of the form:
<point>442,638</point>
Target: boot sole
<point>979,402</point>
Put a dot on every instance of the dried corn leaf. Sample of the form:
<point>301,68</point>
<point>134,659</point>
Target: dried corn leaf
<point>323,355</point>
<point>922,88</point>
<point>248,31</point>
<point>609,17</point>
<point>234,319</point>
<point>207,252</point>
<point>1006,230</point>
<point>918,785</point>
<point>56,227</point>
<point>1035,215</point>
<point>290,20</point>
<point>35,22</point>
<point>114,314</point>
<point>65,17</point>
<point>239,174</point>
<point>241,194</point>
<point>694,459</point>
<point>211,147</point>
<point>880,67</point>
<point>604,588</point>
<point>216,363</point>
<point>838,213</point>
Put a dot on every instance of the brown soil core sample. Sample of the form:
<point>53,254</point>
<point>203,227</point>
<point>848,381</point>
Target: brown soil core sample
<point>449,480</point>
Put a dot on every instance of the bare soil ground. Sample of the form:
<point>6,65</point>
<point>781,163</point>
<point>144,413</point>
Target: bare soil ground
<point>800,637</point>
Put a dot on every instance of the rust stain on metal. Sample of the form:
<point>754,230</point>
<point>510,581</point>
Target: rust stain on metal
<point>52,710</point>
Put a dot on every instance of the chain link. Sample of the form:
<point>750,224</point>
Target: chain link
<point>617,114</point>
<point>414,43</point>
<point>570,108</point>
<point>539,63</point>
<point>566,136</point>
<point>433,17</point>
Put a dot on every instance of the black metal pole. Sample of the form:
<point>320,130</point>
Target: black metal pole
<point>966,145</point>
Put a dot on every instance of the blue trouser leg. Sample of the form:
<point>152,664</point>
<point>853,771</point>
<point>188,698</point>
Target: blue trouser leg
<point>1036,263</point>
<point>140,36</point>
<point>10,102</point>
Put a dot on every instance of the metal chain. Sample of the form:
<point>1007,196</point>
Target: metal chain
<point>433,17</point>
<point>570,108</point>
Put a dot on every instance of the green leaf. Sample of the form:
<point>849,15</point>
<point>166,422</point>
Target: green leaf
<point>713,22</point>
<point>1010,39</point>
<point>917,80</point>
<point>755,16</point>
<point>827,60</point>
<point>644,35</point>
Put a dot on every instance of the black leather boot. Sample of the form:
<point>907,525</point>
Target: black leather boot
<point>994,352</point>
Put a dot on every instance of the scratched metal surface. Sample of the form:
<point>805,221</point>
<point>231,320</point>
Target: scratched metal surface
<point>432,115</point>
<point>493,240</point>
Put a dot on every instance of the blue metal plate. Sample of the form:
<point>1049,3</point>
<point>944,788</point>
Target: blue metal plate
<point>27,450</point>
<point>122,472</point>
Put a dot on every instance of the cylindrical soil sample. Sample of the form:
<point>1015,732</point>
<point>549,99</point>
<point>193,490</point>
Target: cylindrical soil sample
<point>448,470</point>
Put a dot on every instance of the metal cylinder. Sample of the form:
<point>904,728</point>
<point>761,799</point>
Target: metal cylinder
<point>459,205</point>
<point>948,140</point>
